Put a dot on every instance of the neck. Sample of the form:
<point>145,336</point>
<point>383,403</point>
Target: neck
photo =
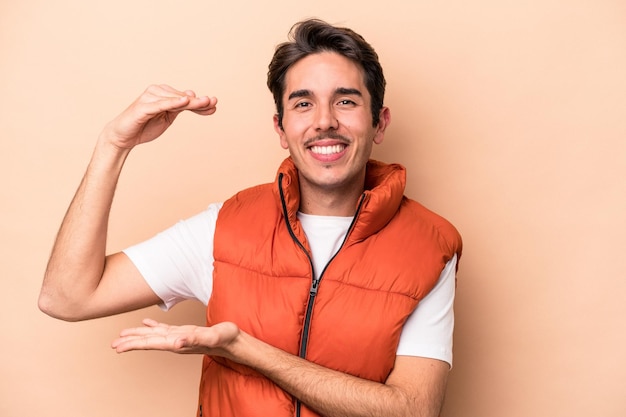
<point>339,201</point>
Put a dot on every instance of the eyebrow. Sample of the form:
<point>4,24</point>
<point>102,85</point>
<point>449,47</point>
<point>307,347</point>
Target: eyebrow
<point>299,93</point>
<point>348,92</point>
<point>339,91</point>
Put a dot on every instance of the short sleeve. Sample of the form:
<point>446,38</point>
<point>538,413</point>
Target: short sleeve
<point>429,329</point>
<point>177,263</point>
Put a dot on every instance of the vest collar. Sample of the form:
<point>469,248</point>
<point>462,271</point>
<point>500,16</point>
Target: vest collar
<point>381,199</point>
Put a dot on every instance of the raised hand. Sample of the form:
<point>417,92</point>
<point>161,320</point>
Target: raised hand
<point>153,335</point>
<point>81,282</point>
<point>152,113</point>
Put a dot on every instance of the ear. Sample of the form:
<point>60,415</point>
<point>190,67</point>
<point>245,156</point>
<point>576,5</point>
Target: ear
<point>281,133</point>
<point>384,120</point>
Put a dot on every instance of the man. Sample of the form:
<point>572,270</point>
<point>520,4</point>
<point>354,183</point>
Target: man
<point>328,291</point>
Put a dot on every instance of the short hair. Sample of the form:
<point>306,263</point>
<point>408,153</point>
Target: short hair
<point>314,36</point>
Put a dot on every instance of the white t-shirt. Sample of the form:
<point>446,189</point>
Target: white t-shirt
<point>178,265</point>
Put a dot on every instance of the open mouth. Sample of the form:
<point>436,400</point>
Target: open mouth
<point>327,150</point>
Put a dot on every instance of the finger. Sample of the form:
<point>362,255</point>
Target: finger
<point>212,102</point>
<point>189,93</point>
<point>165,94</point>
<point>207,112</point>
<point>163,98</point>
<point>210,108</point>
<point>182,103</point>
<point>167,90</point>
<point>172,106</point>
<point>136,331</point>
<point>126,344</point>
<point>159,92</point>
<point>201,103</point>
<point>144,331</point>
<point>147,107</point>
<point>153,323</point>
<point>171,90</point>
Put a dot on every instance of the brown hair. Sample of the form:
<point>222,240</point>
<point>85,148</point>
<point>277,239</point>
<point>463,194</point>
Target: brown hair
<point>313,36</point>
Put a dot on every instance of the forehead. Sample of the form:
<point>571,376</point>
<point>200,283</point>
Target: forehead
<point>323,73</point>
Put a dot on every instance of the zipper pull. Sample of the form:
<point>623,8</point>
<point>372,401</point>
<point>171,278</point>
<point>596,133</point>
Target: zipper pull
<point>314,285</point>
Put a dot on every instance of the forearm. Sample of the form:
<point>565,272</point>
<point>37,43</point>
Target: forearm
<point>78,255</point>
<point>415,386</point>
<point>329,392</point>
<point>80,282</point>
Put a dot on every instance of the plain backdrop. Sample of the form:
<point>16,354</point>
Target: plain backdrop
<point>509,116</point>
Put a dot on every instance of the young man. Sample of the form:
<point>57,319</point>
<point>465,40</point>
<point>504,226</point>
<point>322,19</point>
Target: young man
<point>328,291</point>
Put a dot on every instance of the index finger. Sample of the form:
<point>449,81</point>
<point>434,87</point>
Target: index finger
<point>208,109</point>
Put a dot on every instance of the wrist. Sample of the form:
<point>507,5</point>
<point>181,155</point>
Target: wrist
<point>252,352</point>
<point>108,152</point>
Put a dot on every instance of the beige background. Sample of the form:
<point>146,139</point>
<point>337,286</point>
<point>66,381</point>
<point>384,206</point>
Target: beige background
<point>510,117</point>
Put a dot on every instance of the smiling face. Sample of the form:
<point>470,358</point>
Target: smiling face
<point>327,124</point>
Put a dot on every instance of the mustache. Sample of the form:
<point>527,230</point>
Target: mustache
<point>326,135</point>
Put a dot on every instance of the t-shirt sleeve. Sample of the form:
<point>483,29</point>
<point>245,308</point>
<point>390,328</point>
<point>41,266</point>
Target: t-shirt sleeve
<point>178,262</point>
<point>428,330</point>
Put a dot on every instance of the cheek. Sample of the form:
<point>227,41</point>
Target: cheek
<point>289,135</point>
<point>357,122</point>
<point>295,128</point>
<point>297,122</point>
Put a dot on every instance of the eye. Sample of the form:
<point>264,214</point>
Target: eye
<point>346,102</point>
<point>302,104</point>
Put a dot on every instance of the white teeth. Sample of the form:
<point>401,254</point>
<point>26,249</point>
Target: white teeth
<point>327,150</point>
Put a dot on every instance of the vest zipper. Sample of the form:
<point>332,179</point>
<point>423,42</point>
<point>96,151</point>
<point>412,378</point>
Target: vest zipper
<point>315,282</point>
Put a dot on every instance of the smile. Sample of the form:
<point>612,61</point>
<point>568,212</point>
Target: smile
<point>327,150</point>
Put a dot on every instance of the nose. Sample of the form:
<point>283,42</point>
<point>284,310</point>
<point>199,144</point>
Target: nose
<point>325,119</point>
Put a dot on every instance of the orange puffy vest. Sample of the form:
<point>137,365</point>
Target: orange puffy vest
<point>351,319</point>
